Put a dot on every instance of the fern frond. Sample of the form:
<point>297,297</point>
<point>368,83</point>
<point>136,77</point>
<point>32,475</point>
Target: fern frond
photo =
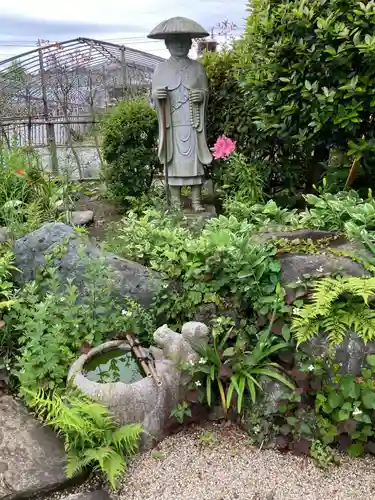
<point>113,466</point>
<point>110,462</point>
<point>326,291</point>
<point>362,287</point>
<point>75,464</point>
<point>99,415</point>
<point>305,329</point>
<point>363,323</point>
<point>333,316</point>
<point>336,326</point>
<point>127,437</point>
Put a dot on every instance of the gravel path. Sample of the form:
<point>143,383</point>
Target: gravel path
<point>221,465</point>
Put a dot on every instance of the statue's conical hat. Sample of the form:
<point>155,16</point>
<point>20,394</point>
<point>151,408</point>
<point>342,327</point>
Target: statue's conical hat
<point>177,26</point>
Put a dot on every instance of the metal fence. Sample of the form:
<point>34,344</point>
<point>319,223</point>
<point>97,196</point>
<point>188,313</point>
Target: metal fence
<point>53,97</point>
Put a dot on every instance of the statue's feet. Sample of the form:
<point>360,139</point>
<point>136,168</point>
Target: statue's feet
<point>176,205</point>
<point>197,207</point>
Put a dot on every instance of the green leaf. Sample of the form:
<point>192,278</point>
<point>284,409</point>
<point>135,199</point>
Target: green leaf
<point>343,415</point>
<point>285,333</point>
<point>113,466</point>
<point>251,386</point>
<point>371,360</point>
<point>368,399</point>
<point>230,351</point>
<point>291,420</point>
<point>274,375</point>
<point>305,429</point>
<point>208,390</point>
<point>241,387</point>
<point>349,388</point>
<point>229,395</point>
<point>356,449</point>
<point>335,399</point>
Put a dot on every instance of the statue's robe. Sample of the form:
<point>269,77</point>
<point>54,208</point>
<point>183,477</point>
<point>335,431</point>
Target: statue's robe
<point>185,136</point>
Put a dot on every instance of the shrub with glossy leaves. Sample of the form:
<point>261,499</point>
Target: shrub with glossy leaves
<point>227,113</point>
<point>309,74</point>
<point>129,149</point>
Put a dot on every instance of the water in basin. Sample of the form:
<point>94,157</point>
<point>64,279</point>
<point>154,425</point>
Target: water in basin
<point>116,365</point>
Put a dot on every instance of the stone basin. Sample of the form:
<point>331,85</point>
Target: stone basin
<point>147,401</point>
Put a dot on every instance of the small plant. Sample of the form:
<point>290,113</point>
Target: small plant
<point>240,179</point>
<point>92,438</point>
<point>158,455</point>
<point>337,305</point>
<point>323,454</point>
<point>181,411</point>
<point>8,299</point>
<point>235,369</point>
<point>346,405</point>
<point>208,438</point>
<point>27,193</point>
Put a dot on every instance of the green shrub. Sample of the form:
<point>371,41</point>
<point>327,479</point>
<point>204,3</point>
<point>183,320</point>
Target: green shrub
<point>92,438</point>
<point>129,148</point>
<point>308,75</point>
<point>217,264</point>
<point>28,196</point>
<point>227,113</point>
<point>53,323</point>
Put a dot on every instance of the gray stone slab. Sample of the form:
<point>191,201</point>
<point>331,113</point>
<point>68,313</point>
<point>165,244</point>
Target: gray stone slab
<point>32,459</point>
<point>89,495</point>
<point>129,278</point>
<point>82,217</point>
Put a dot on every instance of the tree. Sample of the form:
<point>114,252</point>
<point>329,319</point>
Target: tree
<point>308,70</point>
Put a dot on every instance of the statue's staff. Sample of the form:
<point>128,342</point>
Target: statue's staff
<point>164,118</point>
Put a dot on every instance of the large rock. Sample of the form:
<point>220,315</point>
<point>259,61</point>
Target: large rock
<point>129,278</point>
<point>351,354</point>
<point>32,459</point>
<point>320,261</point>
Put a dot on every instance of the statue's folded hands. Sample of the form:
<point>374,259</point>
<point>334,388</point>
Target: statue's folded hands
<point>161,93</point>
<point>196,96</point>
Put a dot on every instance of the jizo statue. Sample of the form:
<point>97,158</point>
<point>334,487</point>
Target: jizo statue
<point>180,94</point>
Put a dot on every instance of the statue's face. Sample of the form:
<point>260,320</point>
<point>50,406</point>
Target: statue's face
<point>178,45</point>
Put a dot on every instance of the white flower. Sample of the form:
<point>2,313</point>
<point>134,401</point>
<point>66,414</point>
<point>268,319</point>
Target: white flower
<point>76,326</point>
<point>124,312</point>
<point>202,361</point>
<point>296,310</point>
<point>165,285</point>
<point>62,299</point>
<point>198,384</point>
<point>356,411</point>
<point>298,281</point>
<point>310,368</point>
<point>320,269</point>
<point>191,363</point>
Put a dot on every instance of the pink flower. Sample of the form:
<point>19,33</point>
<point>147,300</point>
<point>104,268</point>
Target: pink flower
<point>223,147</point>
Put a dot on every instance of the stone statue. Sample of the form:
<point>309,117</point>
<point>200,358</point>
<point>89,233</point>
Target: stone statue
<point>180,94</point>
